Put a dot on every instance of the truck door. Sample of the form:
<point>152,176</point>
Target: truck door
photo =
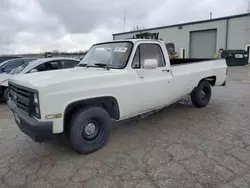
<point>153,87</point>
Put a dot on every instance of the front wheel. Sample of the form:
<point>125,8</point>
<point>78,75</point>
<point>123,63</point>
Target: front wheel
<point>202,94</point>
<point>89,129</point>
<point>6,95</point>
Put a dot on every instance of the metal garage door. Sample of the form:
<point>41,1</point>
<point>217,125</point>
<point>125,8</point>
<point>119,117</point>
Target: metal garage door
<point>203,44</point>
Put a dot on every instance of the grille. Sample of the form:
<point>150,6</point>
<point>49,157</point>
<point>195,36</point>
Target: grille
<point>20,96</point>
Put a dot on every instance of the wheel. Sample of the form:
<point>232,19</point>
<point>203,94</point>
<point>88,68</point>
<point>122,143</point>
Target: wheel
<point>6,94</point>
<point>89,129</point>
<point>201,95</point>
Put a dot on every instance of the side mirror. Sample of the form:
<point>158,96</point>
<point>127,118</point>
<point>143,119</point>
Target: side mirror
<point>150,64</point>
<point>33,70</point>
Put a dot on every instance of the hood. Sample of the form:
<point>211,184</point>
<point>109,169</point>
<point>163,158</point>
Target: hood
<point>40,79</point>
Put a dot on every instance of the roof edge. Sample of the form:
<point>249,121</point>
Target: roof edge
<point>187,23</point>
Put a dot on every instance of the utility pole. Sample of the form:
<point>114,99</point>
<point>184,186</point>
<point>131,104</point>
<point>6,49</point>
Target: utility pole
<point>248,10</point>
<point>125,15</point>
<point>248,22</point>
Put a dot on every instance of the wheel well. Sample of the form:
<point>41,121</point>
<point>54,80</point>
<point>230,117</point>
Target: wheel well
<point>211,79</point>
<point>4,88</point>
<point>110,104</point>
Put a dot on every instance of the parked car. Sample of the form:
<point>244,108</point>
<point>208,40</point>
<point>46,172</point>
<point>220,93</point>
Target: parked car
<point>7,57</point>
<point>114,81</point>
<point>11,64</point>
<point>39,65</point>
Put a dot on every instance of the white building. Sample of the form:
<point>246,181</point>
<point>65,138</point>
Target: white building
<point>203,39</point>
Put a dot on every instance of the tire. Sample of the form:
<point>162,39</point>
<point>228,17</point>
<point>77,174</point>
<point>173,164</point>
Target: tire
<point>202,94</point>
<point>81,135</point>
<point>6,95</point>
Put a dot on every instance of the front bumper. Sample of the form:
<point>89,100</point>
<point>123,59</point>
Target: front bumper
<point>37,130</point>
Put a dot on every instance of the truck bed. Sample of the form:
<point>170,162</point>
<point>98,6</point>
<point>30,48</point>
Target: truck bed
<point>191,72</point>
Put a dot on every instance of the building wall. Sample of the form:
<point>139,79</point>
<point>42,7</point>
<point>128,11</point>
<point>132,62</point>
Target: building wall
<point>181,37</point>
<point>238,33</point>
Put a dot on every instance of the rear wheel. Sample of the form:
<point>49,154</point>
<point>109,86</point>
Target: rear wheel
<point>89,129</point>
<point>202,94</point>
<point>6,94</point>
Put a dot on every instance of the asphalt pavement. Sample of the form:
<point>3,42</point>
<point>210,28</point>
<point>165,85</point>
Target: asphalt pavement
<point>179,146</point>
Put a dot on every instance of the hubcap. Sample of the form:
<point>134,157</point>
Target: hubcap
<point>89,129</point>
<point>203,94</point>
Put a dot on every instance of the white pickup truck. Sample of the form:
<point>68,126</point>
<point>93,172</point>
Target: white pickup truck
<point>114,81</point>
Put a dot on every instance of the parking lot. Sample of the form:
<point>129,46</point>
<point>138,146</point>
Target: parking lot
<point>179,146</point>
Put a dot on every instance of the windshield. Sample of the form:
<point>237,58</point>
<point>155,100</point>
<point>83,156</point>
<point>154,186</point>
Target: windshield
<point>4,63</point>
<point>19,69</point>
<point>110,55</point>
<point>13,64</point>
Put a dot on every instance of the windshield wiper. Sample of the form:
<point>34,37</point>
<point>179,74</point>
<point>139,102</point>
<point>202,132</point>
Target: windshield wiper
<point>83,65</point>
<point>102,65</point>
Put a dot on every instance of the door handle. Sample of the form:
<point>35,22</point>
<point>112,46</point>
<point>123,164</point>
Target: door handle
<point>140,74</point>
<point>165,70</point>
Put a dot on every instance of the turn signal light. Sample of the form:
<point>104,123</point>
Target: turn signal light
<point>53,116</point>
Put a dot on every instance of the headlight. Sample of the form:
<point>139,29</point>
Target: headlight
<point>35,106</point>
<point>35,98</point>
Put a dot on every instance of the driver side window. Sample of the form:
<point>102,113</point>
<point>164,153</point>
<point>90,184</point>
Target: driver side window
<point>53,65</point>
<point>40,68</point>
<point>148,51</point>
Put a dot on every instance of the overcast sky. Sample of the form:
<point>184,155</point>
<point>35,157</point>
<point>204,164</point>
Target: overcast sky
<point>69,25</point>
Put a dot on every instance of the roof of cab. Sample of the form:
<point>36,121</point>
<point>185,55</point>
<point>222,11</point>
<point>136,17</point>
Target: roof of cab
<point>131,40</point>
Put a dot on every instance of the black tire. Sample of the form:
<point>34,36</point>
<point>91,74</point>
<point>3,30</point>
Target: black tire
<point>78,130</point>
<point>202,94</point>
<point>6,94</point>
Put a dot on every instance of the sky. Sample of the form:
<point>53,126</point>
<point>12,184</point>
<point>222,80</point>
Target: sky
<point>36,26</point>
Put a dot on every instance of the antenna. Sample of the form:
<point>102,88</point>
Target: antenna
<point>248,9</point>
<point>211,15</point>
<point>125,15</point>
